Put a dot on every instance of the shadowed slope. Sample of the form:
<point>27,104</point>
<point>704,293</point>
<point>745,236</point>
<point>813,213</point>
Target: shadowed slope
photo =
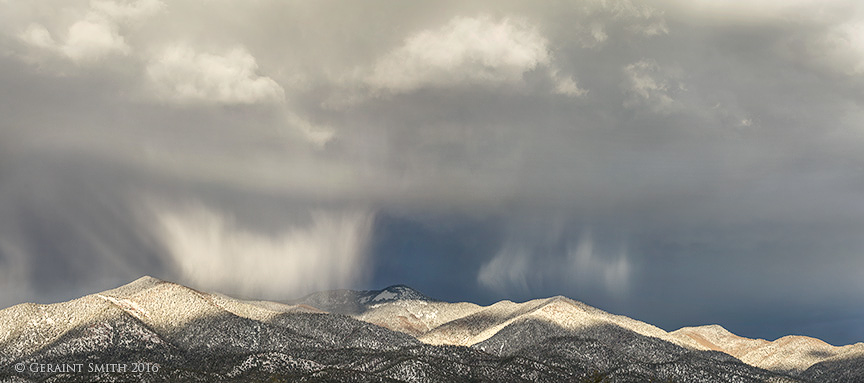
<point>621,354</point>
<point>198,337</point>
<point>847,367</point>
<point>467,324</point>
<point>485,322</point>
<point>201,337</point>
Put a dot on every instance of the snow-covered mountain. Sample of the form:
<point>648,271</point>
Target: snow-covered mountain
<point>794,354</point>
<point>392,335</point>
<point>352,302</point>
<point>468,324</point>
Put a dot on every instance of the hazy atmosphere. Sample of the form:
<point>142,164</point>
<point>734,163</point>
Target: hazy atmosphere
<point>678,162</point>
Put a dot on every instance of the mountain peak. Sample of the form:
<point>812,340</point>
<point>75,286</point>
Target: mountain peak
<point>395,293</point>
<point>174,324</point>
<point>399,287</point>
<point>352,302</point>
<point>132,288</point>
<point>717,329</point>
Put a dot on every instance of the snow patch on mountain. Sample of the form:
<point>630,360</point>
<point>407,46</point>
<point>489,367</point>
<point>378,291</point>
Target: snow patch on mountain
<point>385,296</point>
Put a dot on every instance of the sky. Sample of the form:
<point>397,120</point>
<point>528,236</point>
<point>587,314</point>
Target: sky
<point>679,162</point>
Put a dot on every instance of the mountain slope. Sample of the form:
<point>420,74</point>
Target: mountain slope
<point>193,336</point>
<point>793,353</point>
<point>564,334</point>
<point>467,324</point>
<point>847,367</point>
<point>625,355</point>
<point>564,312</point>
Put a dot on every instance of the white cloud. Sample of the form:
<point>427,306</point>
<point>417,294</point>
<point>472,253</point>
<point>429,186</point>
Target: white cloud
<point>318,135</point>
<point>87,40</point>
<point>214,252</point>
<point>593,35</point>
<point>466,51</point>
<point>92,39</point>
<point>599,16</point>
<point>647,84</point>
<point>38,36</point>
<point>641,18</point>
<point>841,49</point>
<point>566,85</point>
<point>183,74</point>
<point>96,35</point>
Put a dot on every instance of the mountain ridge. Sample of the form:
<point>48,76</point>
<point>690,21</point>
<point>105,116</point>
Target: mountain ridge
<point>791,353</point>
<point>788,354</point>
<point>402,336</point>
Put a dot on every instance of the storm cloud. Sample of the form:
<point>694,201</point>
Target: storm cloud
<point>679,162</point>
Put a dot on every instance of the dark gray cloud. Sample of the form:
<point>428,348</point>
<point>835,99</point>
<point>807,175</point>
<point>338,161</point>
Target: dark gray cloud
<point>678,162</point>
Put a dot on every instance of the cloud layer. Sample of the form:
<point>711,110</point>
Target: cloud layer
<point>646,157</point>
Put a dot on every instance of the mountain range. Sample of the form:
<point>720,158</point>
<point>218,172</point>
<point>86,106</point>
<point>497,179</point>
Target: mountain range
<point>157,331</point>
